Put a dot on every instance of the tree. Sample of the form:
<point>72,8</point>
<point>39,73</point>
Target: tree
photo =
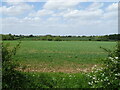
<point>57,38</point>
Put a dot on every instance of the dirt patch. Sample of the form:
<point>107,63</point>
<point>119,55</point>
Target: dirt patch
<point>66,69</point>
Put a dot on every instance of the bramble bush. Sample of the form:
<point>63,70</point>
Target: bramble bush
<point>12,78</point>
<point>9,74</point>
<point>108,76</point>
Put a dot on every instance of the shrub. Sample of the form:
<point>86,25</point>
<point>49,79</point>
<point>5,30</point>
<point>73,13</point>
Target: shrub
<point>57,38</point>
<point>108,76</point>
<point>10,77</point>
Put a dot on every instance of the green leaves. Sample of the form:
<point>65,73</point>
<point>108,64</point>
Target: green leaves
<point>9,65</point>
<point>109,75</point>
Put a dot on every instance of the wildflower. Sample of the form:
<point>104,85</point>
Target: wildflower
<point>95,81</point>
<point>89,83</point>
<point>103,74</point>
<point>70,76</point>
<point>106,77</point>
<point>94,77</point>
<point>116,57</point>
<point>110,58</point>
<point>118,74</point>
<point>92,82</point>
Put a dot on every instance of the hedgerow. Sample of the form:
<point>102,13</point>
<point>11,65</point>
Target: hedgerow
<point>108,76</point>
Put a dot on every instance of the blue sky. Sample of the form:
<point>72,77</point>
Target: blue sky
<point>59,18</point>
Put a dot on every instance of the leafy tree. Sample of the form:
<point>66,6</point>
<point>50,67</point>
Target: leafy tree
<point>57,38</point>
<point>31,35</point>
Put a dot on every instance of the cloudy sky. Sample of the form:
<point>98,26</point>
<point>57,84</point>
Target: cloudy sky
<point>59,18</point>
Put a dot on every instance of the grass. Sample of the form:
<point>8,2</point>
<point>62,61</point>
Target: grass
<point>63,56</point>
<point>56,80</point>
<point>56,64</point>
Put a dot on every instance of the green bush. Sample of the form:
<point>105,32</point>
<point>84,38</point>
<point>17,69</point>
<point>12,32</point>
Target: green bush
<point>10,77</point>
<point>108,76</point>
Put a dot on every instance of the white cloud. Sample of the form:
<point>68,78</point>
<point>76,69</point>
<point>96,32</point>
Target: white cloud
<point>65,21</point>
<point>84,14</point>
<point>60,4</point>
<point>31,26</point>
<point>40,13</point>
<point>60,0</point>
<point>23,0</point>
<point>113,7</point>
<point>91,12</point>
<point>68,12</point>
<point>111,12</point>
<point>111,15</point>
<point>15,9</point>
<point>95,6</point>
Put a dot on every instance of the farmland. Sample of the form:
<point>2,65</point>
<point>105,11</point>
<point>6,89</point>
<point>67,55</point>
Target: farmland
<point>53,64</point>
<point>61,56</point>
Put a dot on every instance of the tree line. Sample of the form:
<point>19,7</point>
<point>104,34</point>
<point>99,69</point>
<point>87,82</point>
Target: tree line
<point>112,37</point>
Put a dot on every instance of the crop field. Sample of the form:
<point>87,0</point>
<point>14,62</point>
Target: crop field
<point>60,56</point>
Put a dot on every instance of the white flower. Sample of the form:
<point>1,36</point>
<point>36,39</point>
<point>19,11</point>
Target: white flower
<point>118,74</point>
<point>89,83</point>
<point>95,65</point>
<point>106,77</point>
<point>103,74</point>
<point>94,77</point>
<point>111,58</point>
<point>116,57</point>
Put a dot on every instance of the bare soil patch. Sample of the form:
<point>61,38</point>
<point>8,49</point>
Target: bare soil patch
<point>69,68</point>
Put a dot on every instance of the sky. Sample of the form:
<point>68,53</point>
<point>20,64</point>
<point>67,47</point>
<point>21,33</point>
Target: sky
<point>59,18</point>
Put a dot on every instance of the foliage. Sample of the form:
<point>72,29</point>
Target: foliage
<point>10,77</point>
<point>57,38</point>
<point>113,37</point>
<point>56,80</point>
<point>8,37</point>
<point>107,76</point>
